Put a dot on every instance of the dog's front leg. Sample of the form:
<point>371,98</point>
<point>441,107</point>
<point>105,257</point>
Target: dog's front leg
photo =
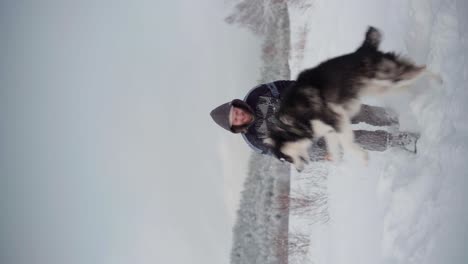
<point>346,138</point>
<point>352,107</point>
<point>322,129</point>
<point>333,146</point>
<point>345,133</point>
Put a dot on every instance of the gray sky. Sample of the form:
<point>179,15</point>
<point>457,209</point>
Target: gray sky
<point>108,152</point>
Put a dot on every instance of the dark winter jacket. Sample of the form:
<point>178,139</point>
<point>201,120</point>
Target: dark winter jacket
<point>264,101</point>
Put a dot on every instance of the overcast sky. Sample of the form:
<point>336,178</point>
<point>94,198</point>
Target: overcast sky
<point>108,151</point>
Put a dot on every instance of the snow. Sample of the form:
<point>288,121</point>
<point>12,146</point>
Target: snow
<point>401,208</point>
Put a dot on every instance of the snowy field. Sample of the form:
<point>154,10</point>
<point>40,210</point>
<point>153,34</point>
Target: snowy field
<point>401,208</point>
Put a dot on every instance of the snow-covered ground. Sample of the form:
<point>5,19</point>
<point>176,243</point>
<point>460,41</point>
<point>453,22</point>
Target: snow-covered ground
<point>401,208</point>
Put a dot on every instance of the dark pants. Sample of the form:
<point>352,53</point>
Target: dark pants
<point>378,140</point>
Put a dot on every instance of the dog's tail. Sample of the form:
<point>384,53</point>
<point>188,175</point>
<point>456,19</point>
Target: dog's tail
<point>373,38</point>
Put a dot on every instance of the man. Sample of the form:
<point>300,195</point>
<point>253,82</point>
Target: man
<point>253,116</point>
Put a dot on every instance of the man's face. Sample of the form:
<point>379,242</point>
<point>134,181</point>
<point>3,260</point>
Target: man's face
<point>240,117</point>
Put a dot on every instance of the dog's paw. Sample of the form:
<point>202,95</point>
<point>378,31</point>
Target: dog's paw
<point>299,167</point>
<point>332,156</point>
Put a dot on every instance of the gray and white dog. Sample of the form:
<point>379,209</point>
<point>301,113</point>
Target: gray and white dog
<point>324,99</point>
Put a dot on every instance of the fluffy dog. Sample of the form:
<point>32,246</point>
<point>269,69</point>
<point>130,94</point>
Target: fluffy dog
<point>324,99</point>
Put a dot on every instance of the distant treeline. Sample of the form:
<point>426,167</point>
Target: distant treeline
<point>270,20</point>
<point>261,229</point>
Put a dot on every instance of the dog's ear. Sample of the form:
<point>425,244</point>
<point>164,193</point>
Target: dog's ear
<point>269,142</point>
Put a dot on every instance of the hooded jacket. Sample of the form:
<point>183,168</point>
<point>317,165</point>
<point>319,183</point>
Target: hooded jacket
<point>262,102</point>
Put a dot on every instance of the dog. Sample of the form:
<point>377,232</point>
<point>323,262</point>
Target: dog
<point>325,98</point>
